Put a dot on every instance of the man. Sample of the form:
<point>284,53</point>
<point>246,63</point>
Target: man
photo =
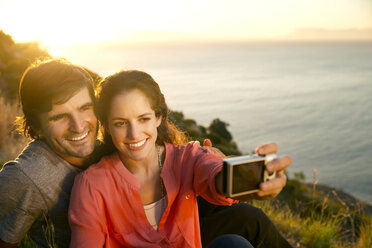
<point>58,105</point>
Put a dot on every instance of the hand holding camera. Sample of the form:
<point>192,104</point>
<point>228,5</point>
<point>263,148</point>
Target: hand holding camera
<point>271,188</point>
<point>242,175</point>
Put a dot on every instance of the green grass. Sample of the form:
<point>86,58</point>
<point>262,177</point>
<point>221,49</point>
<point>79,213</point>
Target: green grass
<point>311,216</point>
<point>319,233</point>
<point>318,219</point>
<point>365,233</point>
<point>27,242</point>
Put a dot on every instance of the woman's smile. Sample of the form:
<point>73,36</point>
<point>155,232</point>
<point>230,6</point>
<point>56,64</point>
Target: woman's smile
<point>137,145</point>
<point>133,125</point>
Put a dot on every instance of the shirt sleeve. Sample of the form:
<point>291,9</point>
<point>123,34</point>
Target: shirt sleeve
<point>86,215</point>
<point>21,204</point>
<point>206,168</point>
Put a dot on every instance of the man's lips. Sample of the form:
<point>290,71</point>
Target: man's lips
<point>79,138</point>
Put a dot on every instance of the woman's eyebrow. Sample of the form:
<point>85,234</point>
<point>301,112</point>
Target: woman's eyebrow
<point>145,114</point>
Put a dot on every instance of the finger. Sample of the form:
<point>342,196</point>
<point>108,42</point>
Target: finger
<point>267,195</point>
<point>267,148</point>
<point>279,164</point>
<point>214,150</point>
<point>274,186</point>
<point>207,142</point>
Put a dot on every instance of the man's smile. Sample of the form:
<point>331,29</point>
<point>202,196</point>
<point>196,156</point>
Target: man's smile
<point>80,137</point>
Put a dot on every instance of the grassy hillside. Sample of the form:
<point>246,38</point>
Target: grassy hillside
<point>312,215</point>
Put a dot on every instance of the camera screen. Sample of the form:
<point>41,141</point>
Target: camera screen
<point>247,176</point>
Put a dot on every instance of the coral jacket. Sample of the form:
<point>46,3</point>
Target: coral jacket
<point>106,209</point>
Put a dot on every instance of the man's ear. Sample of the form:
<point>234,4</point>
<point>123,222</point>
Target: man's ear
<point>39,133</point>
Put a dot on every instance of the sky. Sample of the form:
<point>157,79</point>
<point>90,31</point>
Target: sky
<point>57,24</point>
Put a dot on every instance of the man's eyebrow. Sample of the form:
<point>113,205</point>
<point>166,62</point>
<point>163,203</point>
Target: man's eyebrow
<point>61,115</point>
<point>88,104</point>
<point>56,117</point>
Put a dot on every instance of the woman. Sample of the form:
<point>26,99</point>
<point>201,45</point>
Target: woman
<point>143,193</point>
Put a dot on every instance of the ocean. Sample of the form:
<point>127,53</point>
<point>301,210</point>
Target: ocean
<point>313,99</point>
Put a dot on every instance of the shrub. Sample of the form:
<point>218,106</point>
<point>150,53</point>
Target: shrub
<point>11,143</point>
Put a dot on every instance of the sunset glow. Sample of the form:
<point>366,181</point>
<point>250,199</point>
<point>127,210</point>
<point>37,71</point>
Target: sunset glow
<point>63,23</point>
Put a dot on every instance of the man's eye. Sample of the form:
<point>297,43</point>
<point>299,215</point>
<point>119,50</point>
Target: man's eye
<point>56,117</point>
<point>87,107</point>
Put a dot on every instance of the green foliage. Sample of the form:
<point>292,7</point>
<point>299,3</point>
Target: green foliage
<point>27,242</point>
<point>286,220</point>
<point>218,127</point>
<point>365,231</point>
<point>14,59</point>
<point>11,142</point>
<point>217,132</point>
<point>325,217</point>
<point>299,176</point>
<point>319,233</point>
<point>6,42</point>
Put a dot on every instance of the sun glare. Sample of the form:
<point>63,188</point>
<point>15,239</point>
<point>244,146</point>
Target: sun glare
<point>55,22</point>
<point>70,22</point>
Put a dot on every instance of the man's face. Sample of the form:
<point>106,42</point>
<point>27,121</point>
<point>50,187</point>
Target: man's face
<point>70,128</point>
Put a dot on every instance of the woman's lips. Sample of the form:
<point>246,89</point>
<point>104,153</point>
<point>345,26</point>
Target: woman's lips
<point>137,145</point>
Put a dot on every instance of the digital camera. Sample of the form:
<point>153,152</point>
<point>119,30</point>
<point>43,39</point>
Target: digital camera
<point>242,175</point>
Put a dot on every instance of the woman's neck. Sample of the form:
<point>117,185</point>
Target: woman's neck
<point>150,163</point>
<point>147,172</point>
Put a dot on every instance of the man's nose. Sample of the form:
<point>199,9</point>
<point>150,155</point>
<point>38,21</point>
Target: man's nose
<point>77,124</point>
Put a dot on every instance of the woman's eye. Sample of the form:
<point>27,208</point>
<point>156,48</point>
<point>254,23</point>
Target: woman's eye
<point>144,119</point>
<point>119,124</point>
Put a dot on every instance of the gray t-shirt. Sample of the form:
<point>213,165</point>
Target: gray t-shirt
<point>34,197</point>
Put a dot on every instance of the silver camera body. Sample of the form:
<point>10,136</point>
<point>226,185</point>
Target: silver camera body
<point>242,175</point>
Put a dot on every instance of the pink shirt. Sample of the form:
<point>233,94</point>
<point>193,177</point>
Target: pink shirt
<point>106,209</point>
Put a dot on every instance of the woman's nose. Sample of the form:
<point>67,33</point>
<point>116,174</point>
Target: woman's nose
<point>133,131</point>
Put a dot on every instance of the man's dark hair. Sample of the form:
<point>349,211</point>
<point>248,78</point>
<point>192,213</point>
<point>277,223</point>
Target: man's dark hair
<point>45,83</point>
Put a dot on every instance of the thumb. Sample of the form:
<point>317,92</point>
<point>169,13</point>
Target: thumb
<point>207,142</point>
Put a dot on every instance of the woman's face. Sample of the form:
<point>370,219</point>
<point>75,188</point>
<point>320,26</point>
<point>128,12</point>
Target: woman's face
<point>132,125</point>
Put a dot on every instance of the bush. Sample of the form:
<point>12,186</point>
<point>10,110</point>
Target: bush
<point>11,143</point>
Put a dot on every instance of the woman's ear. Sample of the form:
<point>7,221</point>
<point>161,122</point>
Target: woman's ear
<point>159,119</point>
<point>105,127</point>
